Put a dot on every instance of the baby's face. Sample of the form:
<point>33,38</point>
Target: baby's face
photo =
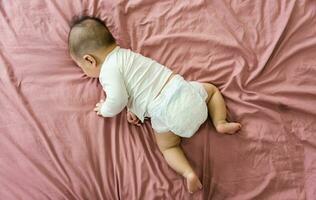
<point>88,65</point>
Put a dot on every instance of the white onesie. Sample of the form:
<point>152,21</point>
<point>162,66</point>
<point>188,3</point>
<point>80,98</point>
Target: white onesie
<point>131,80</point>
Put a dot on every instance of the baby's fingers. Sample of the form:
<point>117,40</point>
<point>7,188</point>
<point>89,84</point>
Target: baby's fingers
<point>100,102</point>
<point>134,118</point>
<point>129,119</point>
<point>97,110</point>
<point>137,122</point>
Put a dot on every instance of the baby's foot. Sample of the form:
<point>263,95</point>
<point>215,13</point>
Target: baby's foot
<point>193,182</point>
<point>228,127</point>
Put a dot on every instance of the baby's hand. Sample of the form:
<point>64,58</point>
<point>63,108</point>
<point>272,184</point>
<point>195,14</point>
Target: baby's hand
<point>98,106</point>
<point>132,118</point>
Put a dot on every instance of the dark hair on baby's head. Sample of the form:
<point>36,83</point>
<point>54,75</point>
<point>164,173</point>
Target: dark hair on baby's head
<point>88,34</point>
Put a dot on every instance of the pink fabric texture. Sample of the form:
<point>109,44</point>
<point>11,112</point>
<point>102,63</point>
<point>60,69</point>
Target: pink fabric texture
<point>261,54</point>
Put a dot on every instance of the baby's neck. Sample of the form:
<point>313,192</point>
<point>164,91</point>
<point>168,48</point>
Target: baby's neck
<point>104,52</point>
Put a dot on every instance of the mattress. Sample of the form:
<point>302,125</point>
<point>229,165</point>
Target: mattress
<point>260,54</point>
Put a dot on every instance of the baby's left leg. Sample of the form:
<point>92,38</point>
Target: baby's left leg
<point>168,144</point>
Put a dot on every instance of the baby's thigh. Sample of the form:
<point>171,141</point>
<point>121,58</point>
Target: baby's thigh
<point>210,90</point>
<point>167,140</point>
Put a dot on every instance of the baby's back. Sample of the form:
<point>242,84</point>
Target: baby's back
<point>142,76</point>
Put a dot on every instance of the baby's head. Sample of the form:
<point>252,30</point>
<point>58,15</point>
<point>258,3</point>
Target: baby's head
<point>88,41</point>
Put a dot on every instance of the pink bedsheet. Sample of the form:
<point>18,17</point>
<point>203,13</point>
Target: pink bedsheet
<point>261,54</point>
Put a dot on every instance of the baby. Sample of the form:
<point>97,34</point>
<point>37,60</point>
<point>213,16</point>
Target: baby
<point>176,107</point>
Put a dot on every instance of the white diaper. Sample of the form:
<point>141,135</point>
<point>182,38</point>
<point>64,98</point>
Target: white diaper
<point>180,107</point>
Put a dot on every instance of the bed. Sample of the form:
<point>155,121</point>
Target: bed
<point>260,54</point>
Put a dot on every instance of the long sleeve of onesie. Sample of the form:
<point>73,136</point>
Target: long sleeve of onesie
<point>132,80</point>
<point>116,94</point>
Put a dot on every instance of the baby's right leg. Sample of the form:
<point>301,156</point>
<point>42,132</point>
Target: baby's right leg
<point>217,109</point>
<point>168,144</point>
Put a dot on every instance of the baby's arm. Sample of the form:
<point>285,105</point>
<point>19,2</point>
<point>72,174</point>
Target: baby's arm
<point>132,118</point>
<point>116,94</point>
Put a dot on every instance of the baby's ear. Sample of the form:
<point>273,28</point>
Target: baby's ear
<point>90,60</point>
